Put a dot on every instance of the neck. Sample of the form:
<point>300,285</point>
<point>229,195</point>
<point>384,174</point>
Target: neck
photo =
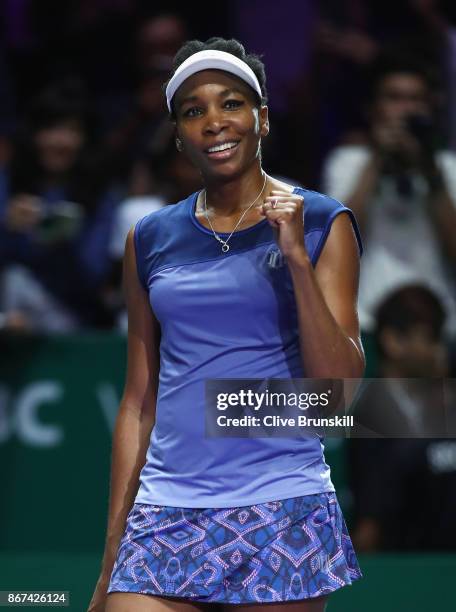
<point>235,195</point>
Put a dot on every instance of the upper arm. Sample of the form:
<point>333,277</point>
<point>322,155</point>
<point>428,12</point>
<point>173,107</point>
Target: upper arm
<point>337,272</point>
<point>143,360</point>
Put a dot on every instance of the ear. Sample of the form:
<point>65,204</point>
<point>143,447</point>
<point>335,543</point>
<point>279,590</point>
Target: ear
<point>264,121</point>
<point>178,141</point>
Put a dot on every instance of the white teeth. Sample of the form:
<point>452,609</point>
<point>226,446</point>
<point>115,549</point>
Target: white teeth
<point>222,147</point>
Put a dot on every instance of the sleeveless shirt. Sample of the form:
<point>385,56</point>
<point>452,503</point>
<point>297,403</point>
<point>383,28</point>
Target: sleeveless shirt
<point>224,315</point>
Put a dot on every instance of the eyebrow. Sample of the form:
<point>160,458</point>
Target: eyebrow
<point>222,94</point>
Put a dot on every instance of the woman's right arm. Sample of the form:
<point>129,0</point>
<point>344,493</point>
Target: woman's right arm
<point>136,416</point>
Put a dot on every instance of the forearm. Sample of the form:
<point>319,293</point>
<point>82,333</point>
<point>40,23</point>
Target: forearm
<point>326,350</point>
<point>130,442</point>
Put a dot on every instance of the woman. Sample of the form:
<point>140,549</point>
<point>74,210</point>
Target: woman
<point>56,209</point>
<point>233,294</point>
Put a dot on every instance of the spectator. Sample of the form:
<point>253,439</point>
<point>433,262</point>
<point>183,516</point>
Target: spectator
<point>55,217</point>
<point>126,143</point>
<point>157,40</point>
<point>402,188</point>
<point>404,488</point>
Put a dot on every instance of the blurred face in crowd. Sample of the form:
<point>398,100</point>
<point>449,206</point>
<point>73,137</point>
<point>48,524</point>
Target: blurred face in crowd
<point>400,95</point>
<point>58,146</point>
<point>214,108</point>
<point>159,40</point>
<point>417,352</point>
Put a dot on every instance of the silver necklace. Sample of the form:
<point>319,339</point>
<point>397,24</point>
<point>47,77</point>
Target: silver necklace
<point>224,243</point>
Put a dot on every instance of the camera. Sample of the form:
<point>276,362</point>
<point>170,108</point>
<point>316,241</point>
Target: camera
<point>60,222</point>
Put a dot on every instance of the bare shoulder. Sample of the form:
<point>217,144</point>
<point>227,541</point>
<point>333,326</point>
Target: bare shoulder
<point>136,297</point>
<point>341,239</point>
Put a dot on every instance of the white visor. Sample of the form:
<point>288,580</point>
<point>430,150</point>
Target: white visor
<point>205,60</point>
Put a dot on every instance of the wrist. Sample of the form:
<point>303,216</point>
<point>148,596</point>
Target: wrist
<point>298,258</point>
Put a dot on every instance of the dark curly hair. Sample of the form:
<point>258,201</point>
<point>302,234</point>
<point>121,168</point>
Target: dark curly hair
<point>232,46</point>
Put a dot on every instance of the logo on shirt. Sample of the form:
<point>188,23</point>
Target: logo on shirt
<point>274,258</point>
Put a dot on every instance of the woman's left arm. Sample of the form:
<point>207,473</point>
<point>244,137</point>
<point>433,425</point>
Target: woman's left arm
<point>326,300</point>
<point>326,296</point>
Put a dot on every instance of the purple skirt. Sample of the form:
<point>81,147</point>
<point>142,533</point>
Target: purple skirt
<point>286,550</point>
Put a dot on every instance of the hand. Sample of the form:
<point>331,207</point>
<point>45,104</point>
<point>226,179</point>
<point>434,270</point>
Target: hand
<point>23,213</point>
<point>15,321</point>
<point>367,535</point>
<point>392,138</point>
<point>285,213</point>
<point>349,43</point>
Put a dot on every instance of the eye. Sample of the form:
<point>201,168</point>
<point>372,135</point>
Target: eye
<point>233,103</point>
<point>191,112</point>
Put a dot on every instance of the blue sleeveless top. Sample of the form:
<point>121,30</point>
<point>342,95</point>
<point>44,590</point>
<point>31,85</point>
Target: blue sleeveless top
<point>223,315</point>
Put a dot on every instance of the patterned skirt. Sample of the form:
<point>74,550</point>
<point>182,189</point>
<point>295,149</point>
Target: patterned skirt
<point>285,550</point>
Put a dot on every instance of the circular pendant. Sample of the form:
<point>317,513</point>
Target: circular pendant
<point>225,247</point>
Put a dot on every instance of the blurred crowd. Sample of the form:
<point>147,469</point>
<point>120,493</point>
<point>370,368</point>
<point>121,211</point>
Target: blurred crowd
<point>362,102</point>
<point>361,109</point>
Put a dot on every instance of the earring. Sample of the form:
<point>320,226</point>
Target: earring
<point>179,145</point>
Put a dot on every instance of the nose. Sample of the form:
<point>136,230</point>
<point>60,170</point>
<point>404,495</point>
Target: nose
<point>215,121</point>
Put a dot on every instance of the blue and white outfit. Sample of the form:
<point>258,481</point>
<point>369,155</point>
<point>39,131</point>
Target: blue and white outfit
<point>233,520</point>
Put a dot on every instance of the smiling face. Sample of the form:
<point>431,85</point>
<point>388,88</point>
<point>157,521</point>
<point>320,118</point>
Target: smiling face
<point>220,123</point>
